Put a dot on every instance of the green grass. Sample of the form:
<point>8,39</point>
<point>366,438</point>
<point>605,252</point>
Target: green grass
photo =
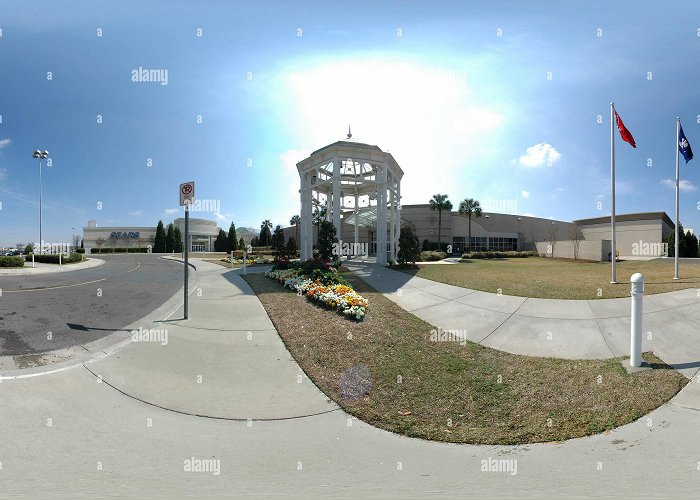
<point>447,391</point>
<point>559,279</point>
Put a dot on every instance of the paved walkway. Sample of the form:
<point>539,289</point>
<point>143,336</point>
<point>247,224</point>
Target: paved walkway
<point>124,425</point>
<point>573,329</point>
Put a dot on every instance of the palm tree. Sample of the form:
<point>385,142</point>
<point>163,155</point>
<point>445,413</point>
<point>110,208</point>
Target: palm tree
<point>294,221</point>
<point>470,207</point>
<point>440,202</point>
<point>265,235</point>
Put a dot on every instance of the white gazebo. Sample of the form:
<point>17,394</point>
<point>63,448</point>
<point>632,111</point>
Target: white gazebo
<point>358,184</point>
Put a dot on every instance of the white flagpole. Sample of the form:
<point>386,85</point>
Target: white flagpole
<point>613,278</point>
<point>675,259</point>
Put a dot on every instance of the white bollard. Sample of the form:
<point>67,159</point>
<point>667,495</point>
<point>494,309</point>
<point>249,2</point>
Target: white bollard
<point>32,259</point>
<point>637,293</point>
<point>59,259</point>
<point>231,259</point>
<point>245,260</point>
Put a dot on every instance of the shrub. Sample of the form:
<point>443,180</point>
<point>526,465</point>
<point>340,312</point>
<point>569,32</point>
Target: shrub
<point>491,254</point>
<point>54,258</point>
<point>432,246</point>
<point>409,246</point>
<point>326,238</point>
<point>79,250</point>
<point>432,256</point>
<point>8,261</point>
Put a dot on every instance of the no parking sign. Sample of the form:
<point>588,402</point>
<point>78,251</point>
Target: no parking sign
<point>186,193</point>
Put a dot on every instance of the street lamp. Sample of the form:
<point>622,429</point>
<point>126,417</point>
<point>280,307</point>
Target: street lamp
<point>41,155</point>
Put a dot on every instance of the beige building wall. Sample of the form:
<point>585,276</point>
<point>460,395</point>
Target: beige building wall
<point>627,234</point>
<point>596,250</point>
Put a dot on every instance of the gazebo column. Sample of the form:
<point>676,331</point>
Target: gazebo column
<point>337,164</point>
<point>357,232</point>
<point>306,231</point>
<point>392,227</point>
<point>381,214</point>
<point>397,232</point>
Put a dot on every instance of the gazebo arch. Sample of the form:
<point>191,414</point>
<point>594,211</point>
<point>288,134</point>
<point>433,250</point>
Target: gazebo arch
<point>358,184</point>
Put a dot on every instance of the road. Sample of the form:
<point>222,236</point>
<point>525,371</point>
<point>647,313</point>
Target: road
<point>52,311</point>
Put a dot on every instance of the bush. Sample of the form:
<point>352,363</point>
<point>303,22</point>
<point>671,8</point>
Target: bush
<point>432,256</point>
<point>491,254</point>
<point>8,261</point>
<point>79,250</point>
<point>53,258</point>
<point>409,246</point>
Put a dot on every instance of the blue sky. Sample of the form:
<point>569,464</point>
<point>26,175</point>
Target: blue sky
<point>496,101</point>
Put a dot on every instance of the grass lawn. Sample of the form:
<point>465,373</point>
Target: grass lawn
<point>445,391</point>
<point>559,279</point>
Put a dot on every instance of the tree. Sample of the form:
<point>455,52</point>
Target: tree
<point>170,239</point>
<point>691,245</point>
<point>469,207</point>
<point>265,237</point>
<point>291,248</point>
<point>255,242</point>
<point>159,243</point>
<point>220,241</point>
<point>682,242</point>
<point>277,243</point>
<point>177,237</point>
<point>409,246</point>
<point>29,248</point>
<point>231,241</point>
<point>576,237</point>
<point>326,238</point>
<point>241,244</point>
<point>440,202</point>
<point>295,221</point>
<point>99,242</point>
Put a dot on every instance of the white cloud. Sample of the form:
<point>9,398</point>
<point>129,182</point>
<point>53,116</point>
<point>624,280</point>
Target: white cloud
<point>430,120</point>
<point>539,155</point>
<point>135,213</point>
<point>525,194</point>
<point>171,211</point>
<point>683,185</point>
<point>5,142</point>
<point>220,216</point>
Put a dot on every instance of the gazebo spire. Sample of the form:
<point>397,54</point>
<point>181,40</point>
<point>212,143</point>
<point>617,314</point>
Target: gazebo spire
<point>349,133</point>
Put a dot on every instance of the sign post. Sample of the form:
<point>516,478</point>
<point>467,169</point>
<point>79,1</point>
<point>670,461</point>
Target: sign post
<point>186,197</point>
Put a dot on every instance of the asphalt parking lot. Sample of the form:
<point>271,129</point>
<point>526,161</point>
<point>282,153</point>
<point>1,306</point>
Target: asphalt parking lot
<point>45,312</point>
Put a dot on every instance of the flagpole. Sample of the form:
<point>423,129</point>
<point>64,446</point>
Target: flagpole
<point>675,259</point>
<point>613,278</point>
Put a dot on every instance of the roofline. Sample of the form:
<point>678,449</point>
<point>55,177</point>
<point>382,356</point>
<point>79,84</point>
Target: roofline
<point>348,143</point>
<point>627,218</point>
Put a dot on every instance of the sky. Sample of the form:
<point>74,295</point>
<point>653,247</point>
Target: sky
<point>507,102</point>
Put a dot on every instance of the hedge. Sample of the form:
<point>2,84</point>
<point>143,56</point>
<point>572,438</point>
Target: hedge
<point>11,261</point>
<point>432,256</point>
<point>119,250</point>
<point>79,250</point>
<point>53,258</point>
<point>491,254</point>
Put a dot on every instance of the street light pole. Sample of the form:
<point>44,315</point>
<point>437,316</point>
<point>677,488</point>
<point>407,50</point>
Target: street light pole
<point>41,155</point>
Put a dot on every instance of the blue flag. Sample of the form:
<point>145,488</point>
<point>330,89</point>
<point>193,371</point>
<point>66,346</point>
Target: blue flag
<point>684,146</point>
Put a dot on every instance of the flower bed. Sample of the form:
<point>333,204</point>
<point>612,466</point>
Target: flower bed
<point>336,296</point>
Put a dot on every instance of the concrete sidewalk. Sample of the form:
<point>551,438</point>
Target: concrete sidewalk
<point>42,268</point>
<point>573,329</point>
<point>226,361</point>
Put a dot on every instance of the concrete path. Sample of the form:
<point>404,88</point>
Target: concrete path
<point>42,268</point>
<point>573,329</point>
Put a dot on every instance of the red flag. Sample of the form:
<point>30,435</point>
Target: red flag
<point>624,133</point>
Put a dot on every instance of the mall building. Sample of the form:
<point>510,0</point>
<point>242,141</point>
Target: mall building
<point>639,235</point>
<point>202,233</point>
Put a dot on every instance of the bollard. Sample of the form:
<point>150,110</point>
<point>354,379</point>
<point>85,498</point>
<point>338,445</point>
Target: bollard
<point>59,259</point>
<point>245,260</point>
<point>32,259</point>
<point>637,293</point>
<point>231,259</point>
